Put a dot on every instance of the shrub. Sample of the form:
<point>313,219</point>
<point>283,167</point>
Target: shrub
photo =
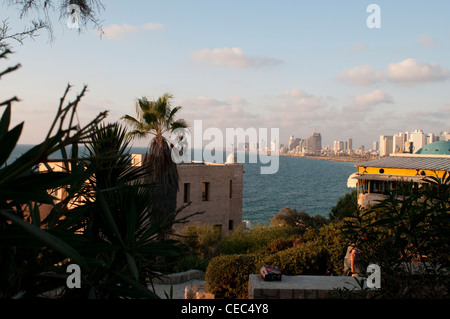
<point>245,242</point>
<point>190,261</point>
<point>201,240</point>
<point>331,239</point>
<point>346,206</point>
<point>281,244</point>
<point>298,221</point>
<point>227,275</point>
<point>307,259</point>
<point>409,225</point>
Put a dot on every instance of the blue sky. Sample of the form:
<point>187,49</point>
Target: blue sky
<point>298,66</point>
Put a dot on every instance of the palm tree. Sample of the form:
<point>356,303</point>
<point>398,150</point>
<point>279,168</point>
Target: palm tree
<point>157,118</point>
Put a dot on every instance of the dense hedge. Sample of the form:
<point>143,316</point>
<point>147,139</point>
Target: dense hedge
<point>320,251</point>
<point>308,259</point>
<point>227,275</point>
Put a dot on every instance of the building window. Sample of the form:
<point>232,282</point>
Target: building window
<point>230,224</point>
<point>231,188</point>
<point>205,191</point>
<point>187,192</point>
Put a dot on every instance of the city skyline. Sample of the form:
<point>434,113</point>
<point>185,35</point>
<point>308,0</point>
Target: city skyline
<point>397,142</point>
<point>293,65</point>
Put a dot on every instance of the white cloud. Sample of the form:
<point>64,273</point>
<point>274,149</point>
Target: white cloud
<point>360,75</point>
<point>217,113</point>
<point>237,100</point>
<point>427,40</point>
<point>118,32</point>
<point>406,72</point>
<point>152,26</point>
<point>202,101</point>
<point>295,93</point>
<point>232,57</point>
<point>410,71</point>
<point>365,101</point>
<point>299,105</point>
<point>361,46</point>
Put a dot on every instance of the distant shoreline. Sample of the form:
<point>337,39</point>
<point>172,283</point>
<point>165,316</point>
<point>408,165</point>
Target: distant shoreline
<point>334,159</point>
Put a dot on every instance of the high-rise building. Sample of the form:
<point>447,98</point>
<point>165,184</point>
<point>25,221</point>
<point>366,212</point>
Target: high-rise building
<point>431,138</point>
<point>398,143</point>
<point>350,144</point>
<point>293,143</point>
<point>386,143</point>
<point>444,136</point>
<point>418,138</point>
<point>375,146</point>
<point>314,144</point>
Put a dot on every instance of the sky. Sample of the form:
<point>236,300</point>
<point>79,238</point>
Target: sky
<point>300,66</point>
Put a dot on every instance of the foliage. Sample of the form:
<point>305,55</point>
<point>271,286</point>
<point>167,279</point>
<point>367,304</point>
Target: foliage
<point>307,259</point>
<point>411,226</point>
<point>243,241</point>
<point>331,239</point>
<point>227,275</point>
<point>157,118</point>
<point>345,207</point>
<point>88,11</point>
<point>201,240</point>
<point>299,221</point>
<point>102,224</point>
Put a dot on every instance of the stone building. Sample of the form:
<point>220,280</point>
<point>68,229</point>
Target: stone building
<point>214,189</point>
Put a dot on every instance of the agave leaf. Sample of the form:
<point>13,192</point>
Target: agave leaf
<point>48,239</point>
<point>4,122</point>
<point>8,142</point>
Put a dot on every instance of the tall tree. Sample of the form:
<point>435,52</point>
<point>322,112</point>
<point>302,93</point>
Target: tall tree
<point>157,118</point>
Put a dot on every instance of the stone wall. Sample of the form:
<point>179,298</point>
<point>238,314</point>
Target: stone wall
<point>298,287</point>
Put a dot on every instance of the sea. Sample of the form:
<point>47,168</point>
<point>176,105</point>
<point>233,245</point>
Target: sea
<point>305,184</point>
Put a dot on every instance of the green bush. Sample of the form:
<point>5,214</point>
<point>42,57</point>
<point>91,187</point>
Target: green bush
<point>298,221</point>
<point>331,238</point>
<point>201,240</point>
<point>346,206</point>
<point>278,245</point>
<point>310,258</point>
<point>411,225</point>
<point>243,241</point>
<point>227,275</point>
<point>190,261</point>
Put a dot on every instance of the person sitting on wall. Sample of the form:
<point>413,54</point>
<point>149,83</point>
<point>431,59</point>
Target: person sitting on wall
<point>352,266</point>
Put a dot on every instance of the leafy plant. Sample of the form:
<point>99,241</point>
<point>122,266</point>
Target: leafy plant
<point>102,223</point>
<point>411,226</point>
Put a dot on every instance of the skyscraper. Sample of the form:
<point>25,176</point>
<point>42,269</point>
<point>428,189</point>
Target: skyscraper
<point>314,144</point>
<point>385,145</point>
<point>419,140</point>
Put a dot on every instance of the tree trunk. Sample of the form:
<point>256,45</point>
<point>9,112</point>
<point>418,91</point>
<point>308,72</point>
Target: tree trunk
<point>163,173</point>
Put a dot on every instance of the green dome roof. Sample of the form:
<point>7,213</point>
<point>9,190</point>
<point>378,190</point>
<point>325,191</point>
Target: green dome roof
<point>440,148</point>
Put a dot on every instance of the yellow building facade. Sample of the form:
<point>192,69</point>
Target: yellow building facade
<point>374,179</point>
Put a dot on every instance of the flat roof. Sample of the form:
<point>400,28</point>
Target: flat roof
<point>410,162</point>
